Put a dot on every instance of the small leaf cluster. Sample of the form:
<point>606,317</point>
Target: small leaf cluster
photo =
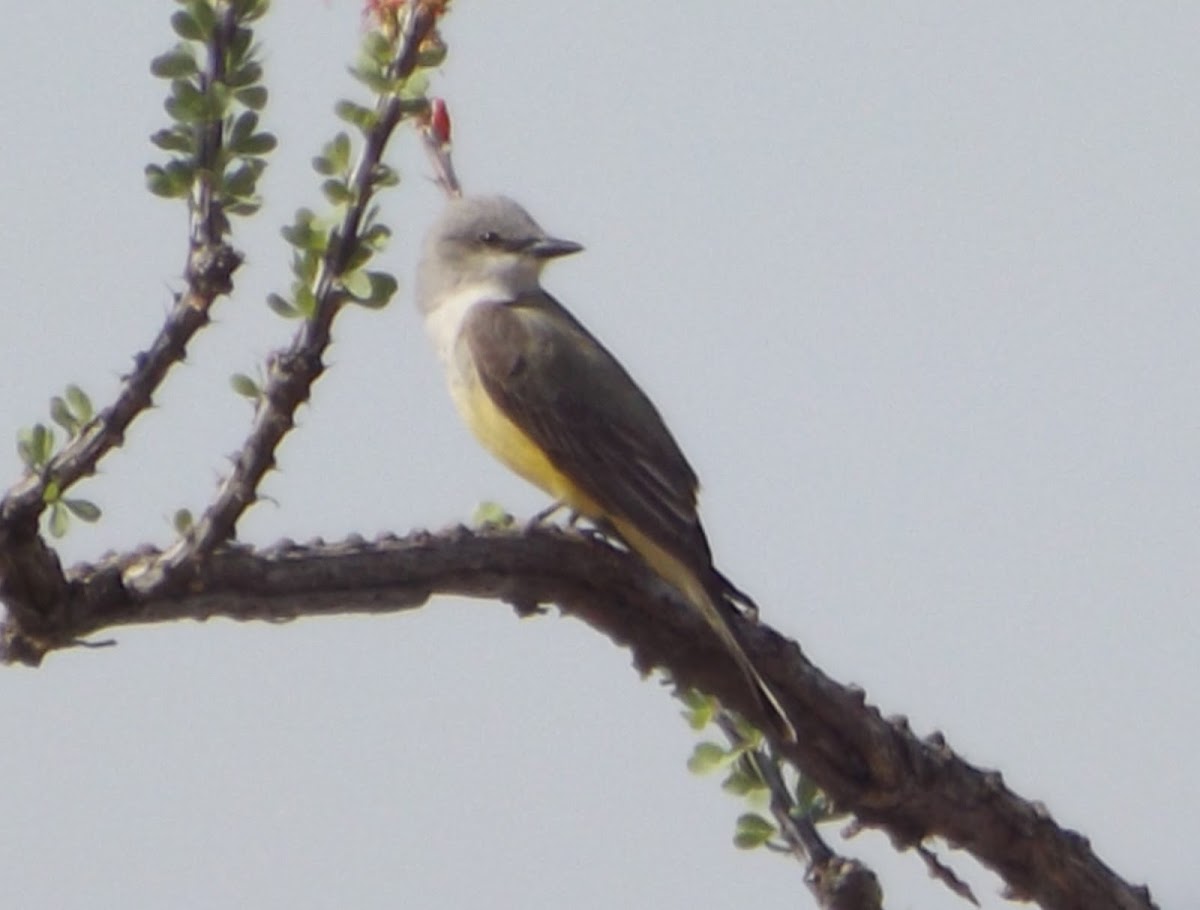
<point>37,446</point>
<point>72,410</point>
<point>375,69</point>
<point>349,182</point>
<point>62,508</point>
<point>489,514</point>
<point>743,777</point>
<point>313,240</point>
<point>743,760</point>
<point>369,288</point>
<point>214,107</point>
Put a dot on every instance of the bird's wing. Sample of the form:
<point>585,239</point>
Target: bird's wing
<point>556,382</point>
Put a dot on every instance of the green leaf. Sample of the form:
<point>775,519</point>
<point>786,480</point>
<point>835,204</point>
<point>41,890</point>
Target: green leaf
<point>83,509</point>
<point>242,127</point>
<point>183,521</point>
<point>737,784</point>
<point>383,176</point>
<point>240,182</point>
<point>60,520</point>
<point>336,154</point>
<point>249,10</point>
<point>187,103</point>
<point>308,263</point>
<point>172,182</point>
<point>357,284</point>
<point>219,99</point>
<point>61,415</point>
<point>245,386</point>
<point>304,234</point>
<point>376,237</point>
<point>700,708</point>
<point>492,515</point>
<point>204,14</point>
<point>358,257</point>
<point>52,493</point>
<point>807,794</point>
<point>377,48</point>
<point>743,779</point>
<point>29,446</point>
<point>431,54</point>
<point>305,237</point>
<point>258,144</point>
<point>186,26</point>
<point>281,307</point>
<point>382,287</point>
<point>243,207</point>
<point>339,151</point>
<point>253,97</point>
<point>750,735</point>
<point>298,235</point>
<point>247,74</point>
<point>174,64</point>
<point>355,114</point>
<point>175,140</point>
<point>24,449</point>
<point>372,76</point>
<point>239,45</point>
<point>415,87</point>
<point>414,107</point>
<point>306,302</point>
<point>706,757</point>
<point>337,192</point>
<point>752,831</point>
<point>42,443</point>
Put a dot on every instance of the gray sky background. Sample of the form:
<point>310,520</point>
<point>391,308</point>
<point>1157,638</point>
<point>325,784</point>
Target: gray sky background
<point>916,288</point>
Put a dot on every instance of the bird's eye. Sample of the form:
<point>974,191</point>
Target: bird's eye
<point>489,238</point>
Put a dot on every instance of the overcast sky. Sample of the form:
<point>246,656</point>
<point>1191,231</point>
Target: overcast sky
<point>916,288</point>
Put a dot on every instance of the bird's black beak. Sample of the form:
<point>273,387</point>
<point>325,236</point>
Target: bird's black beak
<point>552,248</point>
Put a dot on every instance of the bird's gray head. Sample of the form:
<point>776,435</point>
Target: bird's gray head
<point>484,240</point>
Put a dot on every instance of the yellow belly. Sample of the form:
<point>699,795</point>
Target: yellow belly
<point>505,440</point>
<point>514,448</point>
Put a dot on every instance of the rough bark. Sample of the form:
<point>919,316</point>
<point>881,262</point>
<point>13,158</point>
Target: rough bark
<point>871,766</point>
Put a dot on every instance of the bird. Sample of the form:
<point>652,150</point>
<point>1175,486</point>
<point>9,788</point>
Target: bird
<point>549,401</point>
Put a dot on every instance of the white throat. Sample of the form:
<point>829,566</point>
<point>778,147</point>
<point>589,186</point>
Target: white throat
<point>444,322</point>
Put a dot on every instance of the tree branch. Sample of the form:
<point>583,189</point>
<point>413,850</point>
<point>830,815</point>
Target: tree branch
<point>873,767</point>
<point>31,580</point>
<point>836,882</point>
<point>292,373</point>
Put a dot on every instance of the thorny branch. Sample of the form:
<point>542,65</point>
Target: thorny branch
<point>31,580</point>
<point>836,882</point>
<point>292,373</point>
<point>870,766</point>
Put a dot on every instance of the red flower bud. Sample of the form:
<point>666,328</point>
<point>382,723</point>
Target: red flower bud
<point>439,121</point>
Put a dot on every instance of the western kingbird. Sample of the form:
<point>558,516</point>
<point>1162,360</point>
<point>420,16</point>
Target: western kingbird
<point>550,402</point>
